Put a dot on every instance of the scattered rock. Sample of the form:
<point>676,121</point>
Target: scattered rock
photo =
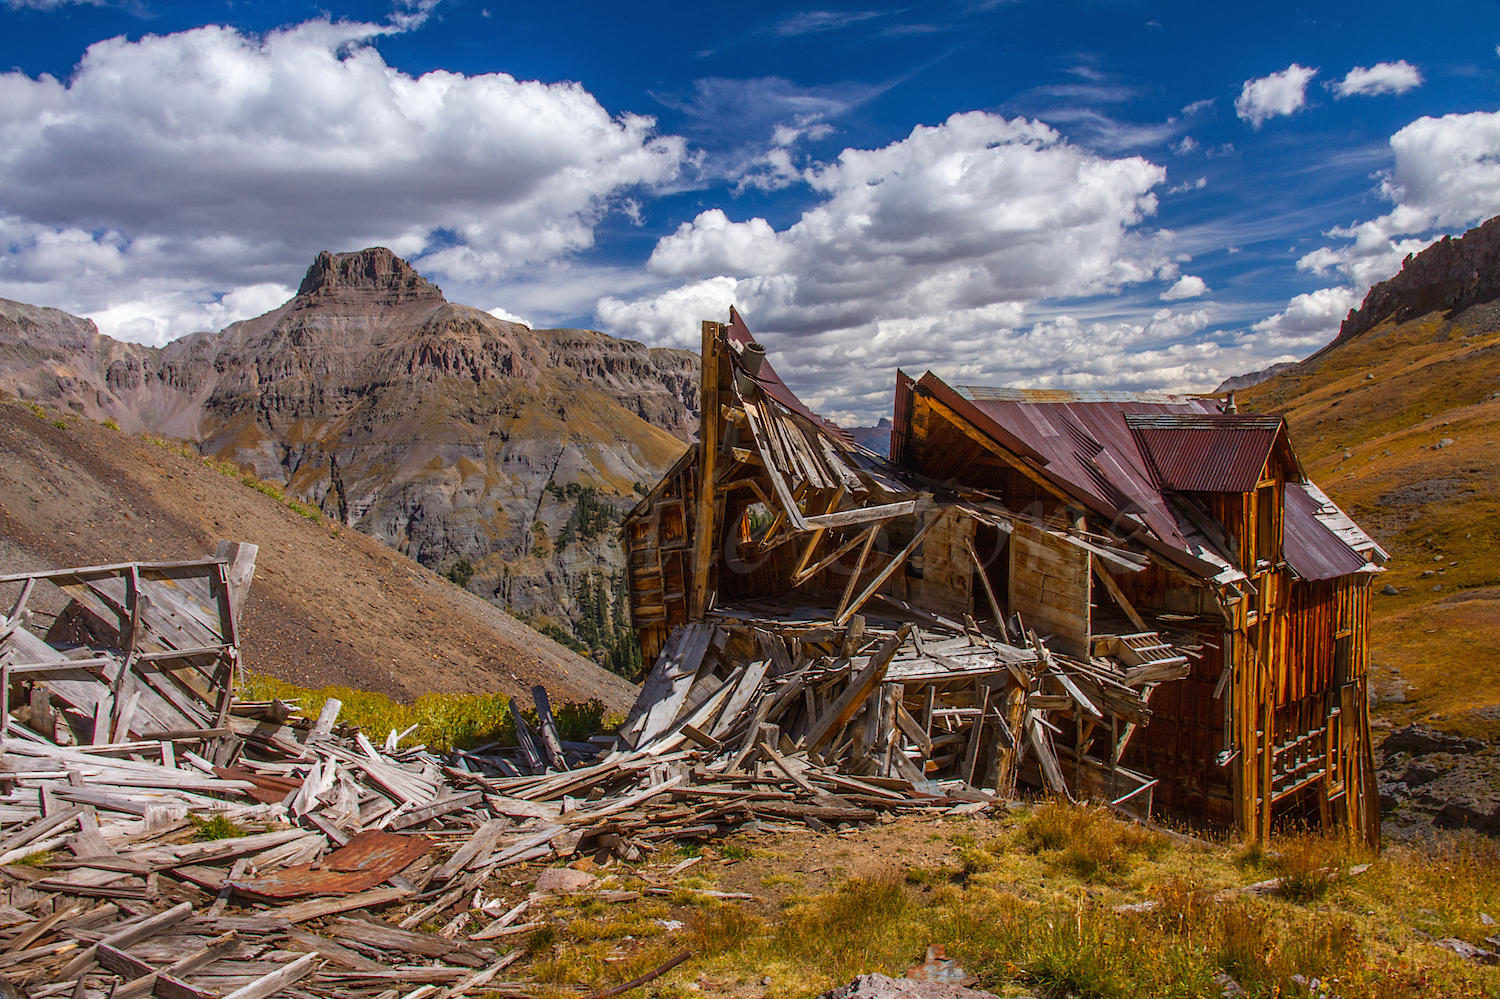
<point>1468,951</point>
<point>1390,590</point>
<point>879,986</point>
<point>1445,442</point>
<point>1229,988</point>
<point>561,880</point>
<point>1486,919</point>
<point>1417,775</point>
<point>938,968</point>
<point>1420,740</point>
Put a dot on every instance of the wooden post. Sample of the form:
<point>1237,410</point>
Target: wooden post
<point>708,453</point>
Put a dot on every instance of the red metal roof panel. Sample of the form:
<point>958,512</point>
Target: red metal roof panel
<point>1213,453</point>
<point>1310,548</point>
<point>774,387</point>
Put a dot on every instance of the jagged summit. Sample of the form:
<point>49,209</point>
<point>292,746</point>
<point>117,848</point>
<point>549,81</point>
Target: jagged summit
<point>1450,275</point>
<point>373,276</point>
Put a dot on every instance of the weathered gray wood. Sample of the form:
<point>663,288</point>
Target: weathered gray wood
<point>303,911</point>
<point>477,845</point>
<point>269,985</point>
<point>843,709</point>
<point>442,806</point>
<point>551,741</point>
<point>327,718</point>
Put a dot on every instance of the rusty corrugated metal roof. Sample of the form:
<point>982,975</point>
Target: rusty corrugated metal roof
<point>366,860</point>
<point>1086,448</point>
<point>1212,452</point>
<point>1310,548</point>
<point>1090,443</point>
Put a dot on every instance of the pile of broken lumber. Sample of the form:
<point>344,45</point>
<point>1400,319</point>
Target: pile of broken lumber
<point>159,837</point>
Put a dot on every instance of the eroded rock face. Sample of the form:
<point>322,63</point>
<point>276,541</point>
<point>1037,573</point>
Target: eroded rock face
<point>1450,274</point>
<point>1430,779</point>
<point>432,426</point>
<point>375,277</point>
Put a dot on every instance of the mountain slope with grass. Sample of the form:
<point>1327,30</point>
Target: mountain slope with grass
<point>329,606</point>
<point>497,454</point>
<point>1399,420</point>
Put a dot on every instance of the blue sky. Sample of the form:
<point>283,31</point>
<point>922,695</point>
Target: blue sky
<point>1086,195</point>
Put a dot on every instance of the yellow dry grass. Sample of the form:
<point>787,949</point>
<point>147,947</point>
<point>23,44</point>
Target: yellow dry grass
<point>1015,907</point>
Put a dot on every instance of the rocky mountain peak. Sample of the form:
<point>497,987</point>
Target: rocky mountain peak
<point>373,276</point>
<point>1450,275</point>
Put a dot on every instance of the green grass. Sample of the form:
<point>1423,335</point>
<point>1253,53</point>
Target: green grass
<point>444,721</point>
<point>218,827</point>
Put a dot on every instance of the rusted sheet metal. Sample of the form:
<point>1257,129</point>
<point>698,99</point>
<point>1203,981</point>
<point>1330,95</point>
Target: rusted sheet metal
<point>368,859</point>
<point>1087,447</point>
<point>267,790</point>
<point>1311,549</point>
<point>774,387</point>
<point>1205,453</point>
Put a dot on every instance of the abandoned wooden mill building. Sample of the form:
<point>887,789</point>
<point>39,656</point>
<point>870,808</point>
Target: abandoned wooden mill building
<point>1132,599</point>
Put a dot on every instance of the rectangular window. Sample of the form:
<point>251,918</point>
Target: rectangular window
<point>1267,543</point>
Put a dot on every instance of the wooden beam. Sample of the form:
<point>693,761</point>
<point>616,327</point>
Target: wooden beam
<point>801,577</point>
<point>812,542</point>
<point>708,453</point>
<point>846,612</point>
<point>1118,596</point>
<point>859,568</point>
<point>989,591</point>
<point>864,515</point>
<point>843,709</point>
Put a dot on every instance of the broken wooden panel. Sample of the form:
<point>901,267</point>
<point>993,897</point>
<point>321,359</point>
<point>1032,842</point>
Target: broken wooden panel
<point>940,577</point>
<point>1051,588</point>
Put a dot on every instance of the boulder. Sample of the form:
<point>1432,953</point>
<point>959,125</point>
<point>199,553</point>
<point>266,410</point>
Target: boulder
<point>562,880</point>
<point>879,986</point>
<point>1419,740</point>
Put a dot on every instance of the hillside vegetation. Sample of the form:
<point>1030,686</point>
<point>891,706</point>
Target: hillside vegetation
<point>1401,426</point>
<point>329,606</point>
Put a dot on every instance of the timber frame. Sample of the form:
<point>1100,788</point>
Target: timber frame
<point>1051,600</point>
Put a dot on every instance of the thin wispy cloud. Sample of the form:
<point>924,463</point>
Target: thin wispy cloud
<point>813,22</point>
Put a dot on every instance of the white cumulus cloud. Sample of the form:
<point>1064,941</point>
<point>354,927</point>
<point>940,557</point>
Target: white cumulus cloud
<point>1282,93</point>
<point>1187,286</point>
<point>1446,177</point>
<point>182,167</point>
<point>1381,78</point>
<point>920,253</point>
<point>1309,320</point>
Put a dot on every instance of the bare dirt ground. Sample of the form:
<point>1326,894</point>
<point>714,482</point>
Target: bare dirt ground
<point>328,606</point>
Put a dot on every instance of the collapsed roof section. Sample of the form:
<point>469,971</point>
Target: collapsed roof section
<point>1142,460</point>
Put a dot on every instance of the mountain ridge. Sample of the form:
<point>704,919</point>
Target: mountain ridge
<point>461,440</point>
<point>1399,418</point>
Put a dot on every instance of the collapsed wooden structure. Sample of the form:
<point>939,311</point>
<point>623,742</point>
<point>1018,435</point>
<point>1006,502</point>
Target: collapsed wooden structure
<point>160,837</point>
<point>1132,599</point>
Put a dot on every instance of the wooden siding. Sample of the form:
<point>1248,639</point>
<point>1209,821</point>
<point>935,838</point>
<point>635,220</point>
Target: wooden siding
<point>1051,588</point>
<point>946,583</point>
